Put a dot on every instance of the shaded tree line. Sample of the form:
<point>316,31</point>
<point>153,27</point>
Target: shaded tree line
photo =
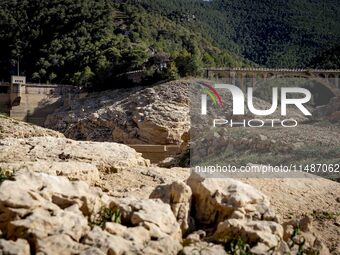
<point>94,43</point>
<point>271,33</point>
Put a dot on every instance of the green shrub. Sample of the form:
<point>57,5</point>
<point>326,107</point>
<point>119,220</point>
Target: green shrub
<point>237,246</point>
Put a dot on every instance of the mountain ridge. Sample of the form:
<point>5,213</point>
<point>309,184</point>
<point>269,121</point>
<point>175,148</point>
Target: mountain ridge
<point>91,43</point>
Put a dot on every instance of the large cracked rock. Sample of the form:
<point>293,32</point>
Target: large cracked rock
<point>60,156</point>
<point>143,115</point>
<point>217,199</point>
<point>235,210</point>
<point>178,196</point>
<point>267,235</point>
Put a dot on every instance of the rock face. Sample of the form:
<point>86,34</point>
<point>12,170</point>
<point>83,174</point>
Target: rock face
<point>55,216</point>
<point>52,215</point>
<point>178,196</point>
<point>10,128</point>
<point>220,199</point>
<point>153,115</point>
<point>60,156</point>
<point>235,210</point>
<point>266,235</point>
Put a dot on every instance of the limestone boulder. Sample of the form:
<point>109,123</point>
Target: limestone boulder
<point>109,244</point>
<point>155,212</point>
<point>151,229</point>
<point>18,247</point>
<point>42,223</point>
<point>60,244</point>
<point>64,157</point>
<point>178,196</point>
<point>223,212</point>
<point>152,214</point>
<point>224,198</point>
<point>41,199</point>
<point>265,234</point>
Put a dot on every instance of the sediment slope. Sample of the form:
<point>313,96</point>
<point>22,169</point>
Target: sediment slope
<point>152,115</point>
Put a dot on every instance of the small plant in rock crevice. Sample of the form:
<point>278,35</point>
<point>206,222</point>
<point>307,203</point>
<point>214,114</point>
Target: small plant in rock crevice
<point>106,215</point>
<point>236,246</point>
<point>297,240</point>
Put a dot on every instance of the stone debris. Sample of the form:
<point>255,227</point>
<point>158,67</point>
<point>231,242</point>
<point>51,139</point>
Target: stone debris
<point>53,215</point>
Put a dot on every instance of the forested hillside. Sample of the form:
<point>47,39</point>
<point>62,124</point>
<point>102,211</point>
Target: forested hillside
<point>273,33</point>
<point>93,43</point>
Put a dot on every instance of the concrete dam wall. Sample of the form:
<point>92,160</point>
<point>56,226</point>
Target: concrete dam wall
<point>34,102</point>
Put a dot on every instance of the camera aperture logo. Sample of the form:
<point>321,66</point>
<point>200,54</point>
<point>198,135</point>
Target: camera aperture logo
<point>238,104</point>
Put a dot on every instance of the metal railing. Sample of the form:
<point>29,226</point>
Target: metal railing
<point>253,69</point>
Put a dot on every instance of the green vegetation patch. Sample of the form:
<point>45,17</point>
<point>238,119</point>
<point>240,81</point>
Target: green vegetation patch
<point>106,215</point>
<point>273,33</point>
<point>237,245</point>
<point>95,43</point>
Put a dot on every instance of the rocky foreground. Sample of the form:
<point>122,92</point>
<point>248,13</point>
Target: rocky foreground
<point>60,196</point>
<point>52,215</point>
